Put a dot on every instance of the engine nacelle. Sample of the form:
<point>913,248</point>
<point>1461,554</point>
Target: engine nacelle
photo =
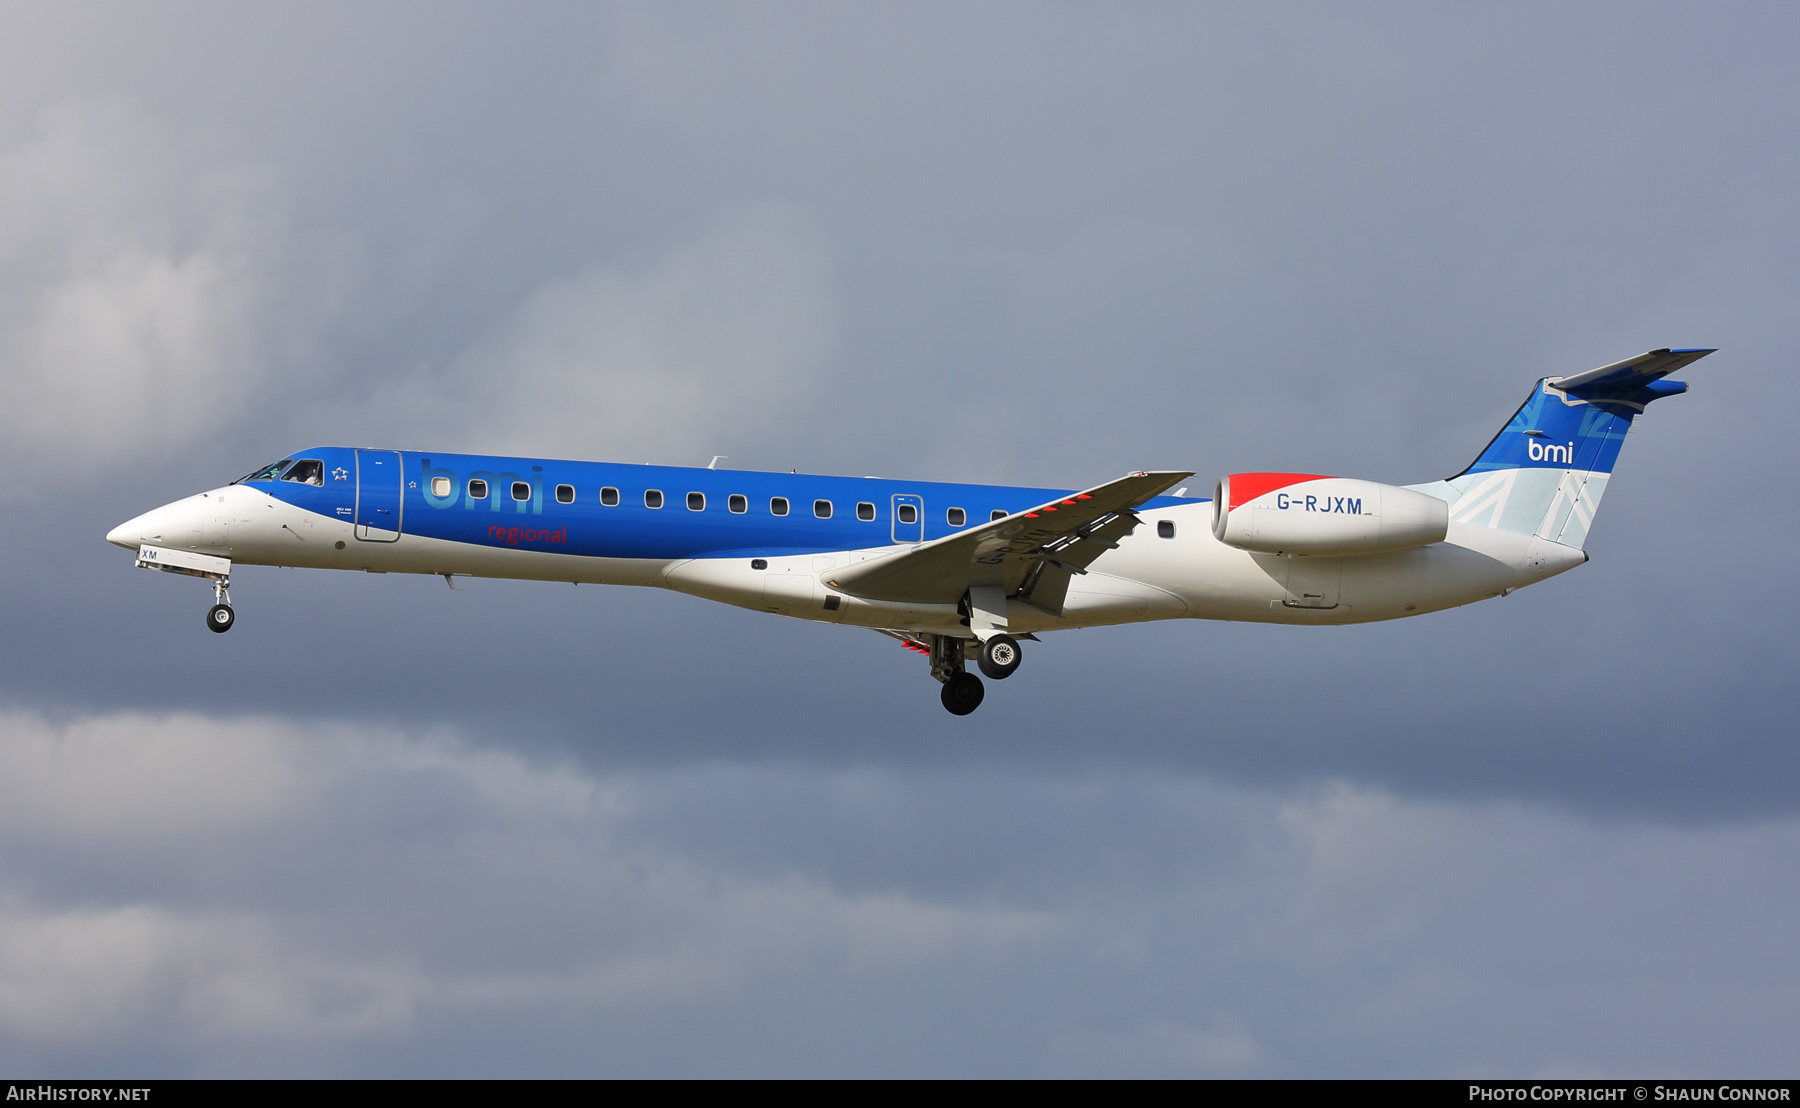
<point>1304,513</point>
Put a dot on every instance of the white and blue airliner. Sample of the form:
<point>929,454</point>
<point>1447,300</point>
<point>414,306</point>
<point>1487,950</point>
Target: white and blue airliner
<point>956,572</point>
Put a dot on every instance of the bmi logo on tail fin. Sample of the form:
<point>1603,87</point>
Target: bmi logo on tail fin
<point>1546,470</point>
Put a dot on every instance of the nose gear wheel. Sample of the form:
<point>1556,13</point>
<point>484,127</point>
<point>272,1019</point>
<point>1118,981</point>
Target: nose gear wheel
<point>220,617</point>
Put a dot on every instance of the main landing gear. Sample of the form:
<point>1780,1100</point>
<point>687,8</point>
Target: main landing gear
<point>962,693</point>
<point>220,617</point>
<point>998,658</point>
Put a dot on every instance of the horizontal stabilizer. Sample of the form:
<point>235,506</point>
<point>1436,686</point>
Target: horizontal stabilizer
<point>1632,373</point>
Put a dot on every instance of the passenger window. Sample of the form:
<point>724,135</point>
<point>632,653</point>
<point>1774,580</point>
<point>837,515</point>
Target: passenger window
<point>1165,529</point>
<point>997,513</point>
<point>696,502</point>
<point>609,496</point>
<point>822,509</point>
<point>312,472</point>
<point>778,506</point>
<point>477,489</point>
<point>956,517</point>
<point>865,511</point>
<point>909,513</point>
<point>652,498</point>
<point>738,503</point>
<point>565,494</point>
<point>440,486</point>
<point>521,491</point>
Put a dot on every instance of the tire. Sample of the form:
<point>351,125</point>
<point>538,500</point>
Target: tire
<point>1000,656</point>
<point>220,617</point>
<point>962,694</point>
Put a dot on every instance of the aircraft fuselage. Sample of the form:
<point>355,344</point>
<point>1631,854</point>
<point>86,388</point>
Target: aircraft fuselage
<point>716,535</point>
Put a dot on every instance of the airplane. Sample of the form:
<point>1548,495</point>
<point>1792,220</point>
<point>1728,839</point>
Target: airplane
<point>955,572</point>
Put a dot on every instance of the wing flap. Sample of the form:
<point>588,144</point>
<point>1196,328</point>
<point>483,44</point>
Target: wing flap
<point>1069,532</point>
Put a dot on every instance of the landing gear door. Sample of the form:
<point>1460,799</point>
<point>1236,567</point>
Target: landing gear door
<point>1313,582</point>
<point>909,518</point>
<point>378,497</point>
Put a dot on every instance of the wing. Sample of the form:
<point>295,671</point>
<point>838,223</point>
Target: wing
<point>1031,555</point>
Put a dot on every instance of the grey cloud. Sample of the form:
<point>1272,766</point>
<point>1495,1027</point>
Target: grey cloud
<point>152,290</point>
<point>128,297</point>
<point>1155,1048</point>
<point>718,340</point>
<point>419,894</point>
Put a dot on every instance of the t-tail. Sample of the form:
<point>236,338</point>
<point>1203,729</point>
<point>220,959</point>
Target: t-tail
<point>1546,470</point>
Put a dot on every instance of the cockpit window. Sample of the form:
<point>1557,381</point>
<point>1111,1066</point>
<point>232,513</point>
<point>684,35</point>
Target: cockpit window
<point>266,473</point>
<point>309,470</point>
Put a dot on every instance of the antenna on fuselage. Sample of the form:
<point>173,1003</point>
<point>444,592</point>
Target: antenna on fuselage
<point>714,464</point>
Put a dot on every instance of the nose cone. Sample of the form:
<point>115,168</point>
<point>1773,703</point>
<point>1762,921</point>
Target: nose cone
<point>132,533</point>
<point>170,525</point>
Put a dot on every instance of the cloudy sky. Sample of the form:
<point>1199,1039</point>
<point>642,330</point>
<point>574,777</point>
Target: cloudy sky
<point>383,828</point>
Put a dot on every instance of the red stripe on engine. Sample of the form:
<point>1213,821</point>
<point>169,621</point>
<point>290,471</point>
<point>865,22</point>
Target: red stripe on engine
<point>1246,487</point>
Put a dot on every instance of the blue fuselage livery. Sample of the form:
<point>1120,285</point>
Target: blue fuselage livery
<point>957,572</point>
<point>857,512</point>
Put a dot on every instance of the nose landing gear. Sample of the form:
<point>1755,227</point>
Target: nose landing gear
<point>220,617</point>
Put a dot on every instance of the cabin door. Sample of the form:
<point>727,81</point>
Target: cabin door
<point>378,495</point>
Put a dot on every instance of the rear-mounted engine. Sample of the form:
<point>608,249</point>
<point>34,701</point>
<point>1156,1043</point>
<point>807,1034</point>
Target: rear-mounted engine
<point>1305,513</point>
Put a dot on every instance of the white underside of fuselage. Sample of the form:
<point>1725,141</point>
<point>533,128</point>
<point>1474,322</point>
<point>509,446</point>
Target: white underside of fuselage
<point>1192,575</point>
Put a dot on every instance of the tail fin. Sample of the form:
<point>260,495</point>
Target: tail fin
<point>1546,470</point>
